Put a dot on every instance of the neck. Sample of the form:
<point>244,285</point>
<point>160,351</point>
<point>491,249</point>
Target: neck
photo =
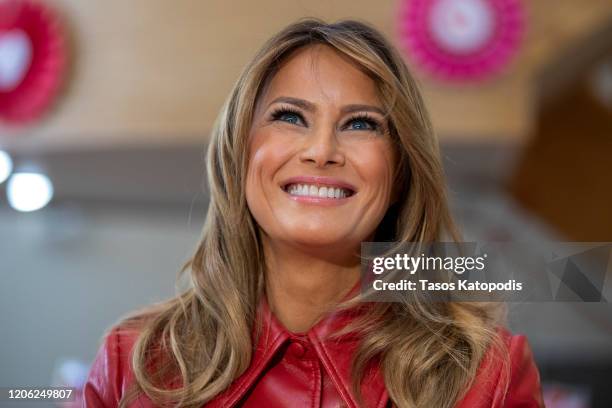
<point>301,286</point>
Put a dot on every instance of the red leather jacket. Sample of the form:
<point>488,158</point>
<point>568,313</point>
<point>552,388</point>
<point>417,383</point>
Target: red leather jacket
<point>308,370</point>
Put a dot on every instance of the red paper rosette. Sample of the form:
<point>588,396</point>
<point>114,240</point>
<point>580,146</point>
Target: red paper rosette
<point>32,59</point>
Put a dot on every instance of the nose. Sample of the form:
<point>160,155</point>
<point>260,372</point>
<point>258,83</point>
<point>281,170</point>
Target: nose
<point>321,149</point>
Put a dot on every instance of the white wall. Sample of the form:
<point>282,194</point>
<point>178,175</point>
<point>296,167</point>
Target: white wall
<point>66,275</point>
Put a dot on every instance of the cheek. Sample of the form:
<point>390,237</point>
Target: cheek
<point>267,153</point>
<point>376,165</point>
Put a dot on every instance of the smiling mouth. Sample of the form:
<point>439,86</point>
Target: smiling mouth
<point>317,191</point>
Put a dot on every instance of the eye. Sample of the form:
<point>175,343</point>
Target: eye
<point>363,122</point>
<point>288,115</point>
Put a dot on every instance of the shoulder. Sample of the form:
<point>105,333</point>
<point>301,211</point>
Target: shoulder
<point>524,387</point>
<point>508,376</point>
<point>110,374</point>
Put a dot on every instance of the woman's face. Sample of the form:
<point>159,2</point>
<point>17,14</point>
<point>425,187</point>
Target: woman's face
<point>321,159</point>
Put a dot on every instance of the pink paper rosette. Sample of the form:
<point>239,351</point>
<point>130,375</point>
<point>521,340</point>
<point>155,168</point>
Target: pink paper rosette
<point>461,40</point>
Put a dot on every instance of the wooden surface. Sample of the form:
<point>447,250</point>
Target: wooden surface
<point>564,173</point>
<point>150,72</point>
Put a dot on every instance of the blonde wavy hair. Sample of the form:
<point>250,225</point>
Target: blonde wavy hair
<point>200,341</point>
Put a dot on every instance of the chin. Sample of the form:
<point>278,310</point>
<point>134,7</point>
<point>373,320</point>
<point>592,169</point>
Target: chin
<point>317,238</point>
<point>317,241</point>
<point>317,230</point>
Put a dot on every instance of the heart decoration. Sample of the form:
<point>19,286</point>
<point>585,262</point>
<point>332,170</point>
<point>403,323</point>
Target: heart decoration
<point>15,58</point>
<point>461,40</point>
<point>32,60</point>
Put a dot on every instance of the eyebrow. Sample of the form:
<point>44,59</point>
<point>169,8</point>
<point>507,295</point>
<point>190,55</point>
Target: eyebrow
<point>302,103</point>
<point>361,107</point>
<point>309,106</point>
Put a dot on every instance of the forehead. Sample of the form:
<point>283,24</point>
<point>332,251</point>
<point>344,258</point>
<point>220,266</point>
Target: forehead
<point>322,75</point>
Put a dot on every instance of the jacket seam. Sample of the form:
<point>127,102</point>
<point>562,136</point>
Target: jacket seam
<point>382,401</point>
<point>117,351</point>
<point>243,385</point>
<point>335,377</point>
<point>499,396</point>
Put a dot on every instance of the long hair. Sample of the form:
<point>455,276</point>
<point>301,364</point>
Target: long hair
<point>200,341</point>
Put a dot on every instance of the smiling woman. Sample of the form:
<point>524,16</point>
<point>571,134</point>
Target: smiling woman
<point>319,127</point>
<point>324,143</point>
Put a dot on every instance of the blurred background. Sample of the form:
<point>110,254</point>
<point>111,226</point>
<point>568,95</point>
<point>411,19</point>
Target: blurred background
<point>105,110</point>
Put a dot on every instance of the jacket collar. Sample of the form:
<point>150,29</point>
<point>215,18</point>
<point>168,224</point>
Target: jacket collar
<point>335,356</point>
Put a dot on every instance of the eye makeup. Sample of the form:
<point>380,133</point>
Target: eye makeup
<point>281,111</point>
<point>373,124</point>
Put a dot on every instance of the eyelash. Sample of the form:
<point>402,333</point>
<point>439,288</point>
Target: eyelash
<point>279,112</point>
<point>364,117</point>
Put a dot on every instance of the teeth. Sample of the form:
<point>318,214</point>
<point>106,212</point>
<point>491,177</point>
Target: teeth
<point>309,190</point>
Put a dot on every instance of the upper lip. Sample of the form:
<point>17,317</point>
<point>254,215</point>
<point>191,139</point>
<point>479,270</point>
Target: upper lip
<point>320,180</point>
